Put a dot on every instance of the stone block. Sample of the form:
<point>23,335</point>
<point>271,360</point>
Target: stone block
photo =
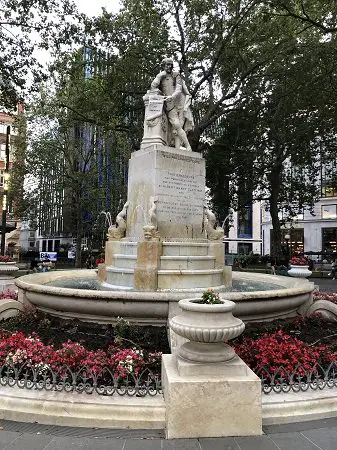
<point>101,273</point>
<point>227,403</point>
<point>177,179</point>
<point>111,248</point>
<point>227,275</point>
<point>217,250</point>
<point>146,270</point>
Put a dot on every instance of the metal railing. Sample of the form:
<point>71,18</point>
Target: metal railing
<point>84,380</point>
<point>299,380</point>
<point>106,382</point>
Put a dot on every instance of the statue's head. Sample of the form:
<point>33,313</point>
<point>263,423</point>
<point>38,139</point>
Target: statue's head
<point>167,64</point>
<point>149,232</point>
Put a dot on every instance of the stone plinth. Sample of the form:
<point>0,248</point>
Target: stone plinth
<point>7,273</point>
<point>176,178</point>
<point>148,260</point>
<point>213,400</point>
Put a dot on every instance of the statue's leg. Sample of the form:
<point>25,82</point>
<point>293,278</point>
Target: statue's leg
<point>181,135</point>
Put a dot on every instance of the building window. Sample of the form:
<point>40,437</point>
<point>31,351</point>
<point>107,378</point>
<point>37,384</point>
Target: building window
<point>292,246</point>
<point>329,240</point>
<point>244,248</point>
<point>245,222</point>
<point>329,212</point>
<point>328,173</point>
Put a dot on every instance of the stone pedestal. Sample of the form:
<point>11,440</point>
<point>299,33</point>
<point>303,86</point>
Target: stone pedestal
<point>7,272</point>
<point>210,400</point>
<point>148,261</point>
<point>177,179</point>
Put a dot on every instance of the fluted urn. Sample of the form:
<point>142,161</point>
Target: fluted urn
<point>207,327</point>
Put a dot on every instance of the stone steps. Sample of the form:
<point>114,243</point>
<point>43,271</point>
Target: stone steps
<point>119,276</point>
<point>189,279</point>
<point>187,262</point>
<point>128,248</point>
<point>125,261</point>
<point>189,248</point>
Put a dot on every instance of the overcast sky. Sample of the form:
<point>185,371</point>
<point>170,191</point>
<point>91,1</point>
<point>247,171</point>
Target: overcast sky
<point>94,7</point>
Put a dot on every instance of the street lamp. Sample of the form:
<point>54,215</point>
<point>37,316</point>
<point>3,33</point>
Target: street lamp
<point>287,239</point>
<point>4,199</point>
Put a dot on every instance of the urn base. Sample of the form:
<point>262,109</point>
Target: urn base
<point>206,352</point>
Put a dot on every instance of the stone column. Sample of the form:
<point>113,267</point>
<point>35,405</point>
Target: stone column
<point>148,261</point>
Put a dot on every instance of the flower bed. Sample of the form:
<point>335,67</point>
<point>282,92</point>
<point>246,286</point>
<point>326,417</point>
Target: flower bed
<point>46,360</point>
<point>330,296</point>
<point>6,294</point>
<point>298,261</point>
<point>292,354</point>
<point>69,355</point>
<point>5,259</point>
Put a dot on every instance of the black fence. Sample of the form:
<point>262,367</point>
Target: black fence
<point>300,379</point>
<point>86,380</point>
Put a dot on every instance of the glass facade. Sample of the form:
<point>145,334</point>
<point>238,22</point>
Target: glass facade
<point>328,175</point>
<point>245,222</point>
<point>292,246</point>
<point>329,240</point>
<point>329,212</point>
<point>244,248</point>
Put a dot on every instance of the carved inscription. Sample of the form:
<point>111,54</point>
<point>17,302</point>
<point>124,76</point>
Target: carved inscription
<point>155,108</point>
<point>180,197</point>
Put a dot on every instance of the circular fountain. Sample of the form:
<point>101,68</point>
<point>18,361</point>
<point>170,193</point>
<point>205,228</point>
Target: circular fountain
<point>165,245</point>
<point>273,297</point>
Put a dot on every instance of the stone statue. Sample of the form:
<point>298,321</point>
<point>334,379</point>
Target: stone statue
<point>151,230</point>
<point>169,95</point>
<point>213,232</point>
<point>116,232</point>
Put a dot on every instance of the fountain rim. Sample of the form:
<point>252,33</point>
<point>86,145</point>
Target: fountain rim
<point>36,283</point>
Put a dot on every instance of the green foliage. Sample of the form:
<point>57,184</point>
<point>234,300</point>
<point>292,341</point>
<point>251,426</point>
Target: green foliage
<point>27,26</point>
<point>209,297</point>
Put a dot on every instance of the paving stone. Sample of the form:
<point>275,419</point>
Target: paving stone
<point>324,438</point>
<point>256,443</point>
<point>27,441</point>
<point>67,443</point>
<point>292,441</point>
<point>330,422</point>
<point>142,444</point>
<point>181,444</point>
<point>218,444</point>
<point>72,443</point>
<point>6,437</point>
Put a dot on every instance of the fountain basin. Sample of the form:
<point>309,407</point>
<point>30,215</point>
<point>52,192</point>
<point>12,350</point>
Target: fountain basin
<point>292,296</point>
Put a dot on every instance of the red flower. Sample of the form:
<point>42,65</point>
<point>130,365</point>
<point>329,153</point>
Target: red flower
<point>298,261</point>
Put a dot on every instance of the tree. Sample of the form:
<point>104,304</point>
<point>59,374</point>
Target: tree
<point>319,14</point>
<point>16,195</point>
<point>285,130</point>
<point>28,26</point>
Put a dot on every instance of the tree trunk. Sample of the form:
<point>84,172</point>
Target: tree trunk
<point>194,138</point>
<point>79,234</point>
<point>275,184</point>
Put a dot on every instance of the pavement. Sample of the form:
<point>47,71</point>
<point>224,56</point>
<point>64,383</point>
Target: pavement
<point>325,284</point>
<point>311,435</point>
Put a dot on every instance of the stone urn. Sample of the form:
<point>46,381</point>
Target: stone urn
<point>206,326</point>
<point>7,272</point>
<point>299,271</point>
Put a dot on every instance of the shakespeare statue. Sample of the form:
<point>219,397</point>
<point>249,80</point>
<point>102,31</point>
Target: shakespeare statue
<point>168,115</point>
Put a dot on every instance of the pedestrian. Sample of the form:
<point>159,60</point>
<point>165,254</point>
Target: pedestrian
<point>333,269</point>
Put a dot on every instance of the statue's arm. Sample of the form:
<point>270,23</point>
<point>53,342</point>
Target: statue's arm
<point>156,82</point>
<point>179,87</point>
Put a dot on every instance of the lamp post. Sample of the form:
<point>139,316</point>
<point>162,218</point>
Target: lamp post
<point>4,199</point>
<point>287,239</point>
